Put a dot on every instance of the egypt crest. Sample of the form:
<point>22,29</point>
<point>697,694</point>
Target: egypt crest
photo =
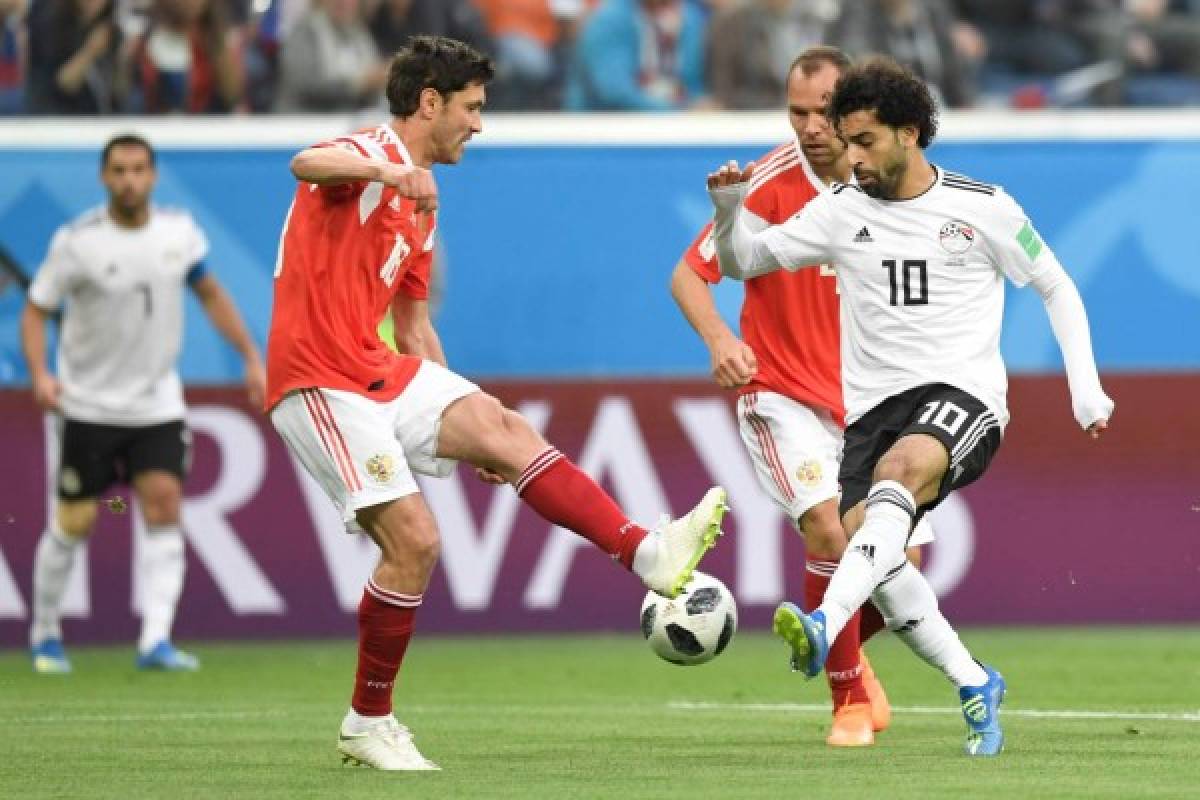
<point>956,237</point>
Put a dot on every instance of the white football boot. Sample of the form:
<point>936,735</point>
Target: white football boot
<point>385,744</point>
<point>683,542</point>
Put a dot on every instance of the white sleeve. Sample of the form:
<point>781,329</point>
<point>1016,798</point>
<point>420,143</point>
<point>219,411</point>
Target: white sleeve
<point>805,239</point>
<point>746,249</point>
<point>735,237</point>
<point>1018,250</point>
<point>1069,322</point>
<point>53,279</point>
<point>197,244</point>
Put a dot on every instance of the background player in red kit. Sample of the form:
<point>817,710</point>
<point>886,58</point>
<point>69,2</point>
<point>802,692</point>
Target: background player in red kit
<point>357,241</point>
<point>787,371</point>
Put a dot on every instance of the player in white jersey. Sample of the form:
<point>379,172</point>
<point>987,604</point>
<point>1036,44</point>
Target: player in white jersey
<point>921,256</point>
<point>118,274</point>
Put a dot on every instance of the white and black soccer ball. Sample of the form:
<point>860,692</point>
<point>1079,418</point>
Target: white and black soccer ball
<point>694,627</point>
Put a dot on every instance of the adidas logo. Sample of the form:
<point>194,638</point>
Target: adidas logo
<point>863,235</point>
<point>975,708</point>
<point>868,552</point>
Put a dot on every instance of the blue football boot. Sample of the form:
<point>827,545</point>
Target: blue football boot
<point>49,658</point>
<point>805,634</point>
<point>981,710</point>
<point>164,656</point>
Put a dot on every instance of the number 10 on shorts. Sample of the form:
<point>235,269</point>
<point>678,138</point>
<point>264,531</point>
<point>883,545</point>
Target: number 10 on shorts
<point>945,415</point>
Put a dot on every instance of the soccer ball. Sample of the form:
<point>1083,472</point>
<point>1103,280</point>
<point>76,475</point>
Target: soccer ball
<point>694,627</point>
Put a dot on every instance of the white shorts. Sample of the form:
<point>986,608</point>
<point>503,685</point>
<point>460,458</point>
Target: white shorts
<point>363,452</point>
<point>797,451</point>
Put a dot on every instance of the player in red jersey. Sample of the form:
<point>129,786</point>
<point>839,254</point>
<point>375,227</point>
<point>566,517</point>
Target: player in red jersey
<point>786,369</point>
<point>362,419</point>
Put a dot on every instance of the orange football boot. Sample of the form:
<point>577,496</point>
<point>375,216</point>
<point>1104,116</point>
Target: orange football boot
<point>881,709</point>
<point>851,726</point>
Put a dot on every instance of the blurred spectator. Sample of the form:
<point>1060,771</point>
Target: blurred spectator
<point>1167,34</point>
<point>1025,36</point>
<point>526,35</point>
<point>924,35</point>
<point>188,60</point>
<point>12,56</point>
<point>330,62</point>
<point>73,47</point>
<point>751,47</point>
<point>393,21</point>
<point>638,55</point>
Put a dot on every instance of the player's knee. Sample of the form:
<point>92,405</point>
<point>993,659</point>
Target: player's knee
<point>511,441</point>
<point>903,468</point>
<point>77,518</point>
<point>407,537</point>
<point>422,546</point>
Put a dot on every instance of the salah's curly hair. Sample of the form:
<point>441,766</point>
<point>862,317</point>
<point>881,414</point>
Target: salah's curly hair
<point>897,96</point>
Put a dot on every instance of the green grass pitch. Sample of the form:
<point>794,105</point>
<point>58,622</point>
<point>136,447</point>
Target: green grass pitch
<point>600,716</point>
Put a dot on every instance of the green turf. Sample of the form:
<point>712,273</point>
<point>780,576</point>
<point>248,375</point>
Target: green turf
<point>567,717</point>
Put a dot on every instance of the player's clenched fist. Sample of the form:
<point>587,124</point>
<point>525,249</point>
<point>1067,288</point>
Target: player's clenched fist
<point>730,174</point>
<point>733,363</point>
<point>415,183</point>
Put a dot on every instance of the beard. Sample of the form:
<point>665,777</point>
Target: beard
<point>881,185</point>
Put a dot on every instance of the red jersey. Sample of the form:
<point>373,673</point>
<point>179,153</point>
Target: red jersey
<point>791,320</point>
<point>345,252</point>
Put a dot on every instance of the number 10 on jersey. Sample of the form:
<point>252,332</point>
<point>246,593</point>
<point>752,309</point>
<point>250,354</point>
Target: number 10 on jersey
<point>913,276</point>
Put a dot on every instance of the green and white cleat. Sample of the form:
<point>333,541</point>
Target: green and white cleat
<point>385,745</point>
<point>684,541</point>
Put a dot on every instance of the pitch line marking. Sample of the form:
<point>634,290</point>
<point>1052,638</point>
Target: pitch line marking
<point>177,716</point>
<point>1008,712</point>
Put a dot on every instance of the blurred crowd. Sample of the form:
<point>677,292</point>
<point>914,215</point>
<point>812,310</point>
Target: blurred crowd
<point>301,56</point>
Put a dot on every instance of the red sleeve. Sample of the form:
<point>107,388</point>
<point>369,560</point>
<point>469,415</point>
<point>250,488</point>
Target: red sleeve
<point>701,256</point>
<point>343,191</point>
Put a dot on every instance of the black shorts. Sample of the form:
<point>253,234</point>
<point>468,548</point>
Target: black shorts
<point>94,457</point>
<point>966,427</point>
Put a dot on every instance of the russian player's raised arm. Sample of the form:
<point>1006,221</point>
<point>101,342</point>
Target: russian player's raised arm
<point>1025,259</point>
<point>326,165</point>
<point>330,166</point>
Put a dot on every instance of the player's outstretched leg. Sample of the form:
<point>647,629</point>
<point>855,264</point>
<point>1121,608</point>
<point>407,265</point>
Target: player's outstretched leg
<point>981,710</point>
<point>479,430</point>
<point>805,635</point>
<point>664,558</point>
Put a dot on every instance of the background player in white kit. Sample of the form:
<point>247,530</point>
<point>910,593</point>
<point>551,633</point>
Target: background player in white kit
<point>118,274</point>
<point>921,257</point>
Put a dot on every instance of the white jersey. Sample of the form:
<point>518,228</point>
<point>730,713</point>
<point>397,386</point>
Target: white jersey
<point>921,281</point>
<point>121,290</point>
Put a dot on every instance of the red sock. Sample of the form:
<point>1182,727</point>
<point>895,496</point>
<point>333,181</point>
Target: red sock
<point>565,495</point>
<point>843,667</point>
<point>872,622</point>
<point>385,624</point>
